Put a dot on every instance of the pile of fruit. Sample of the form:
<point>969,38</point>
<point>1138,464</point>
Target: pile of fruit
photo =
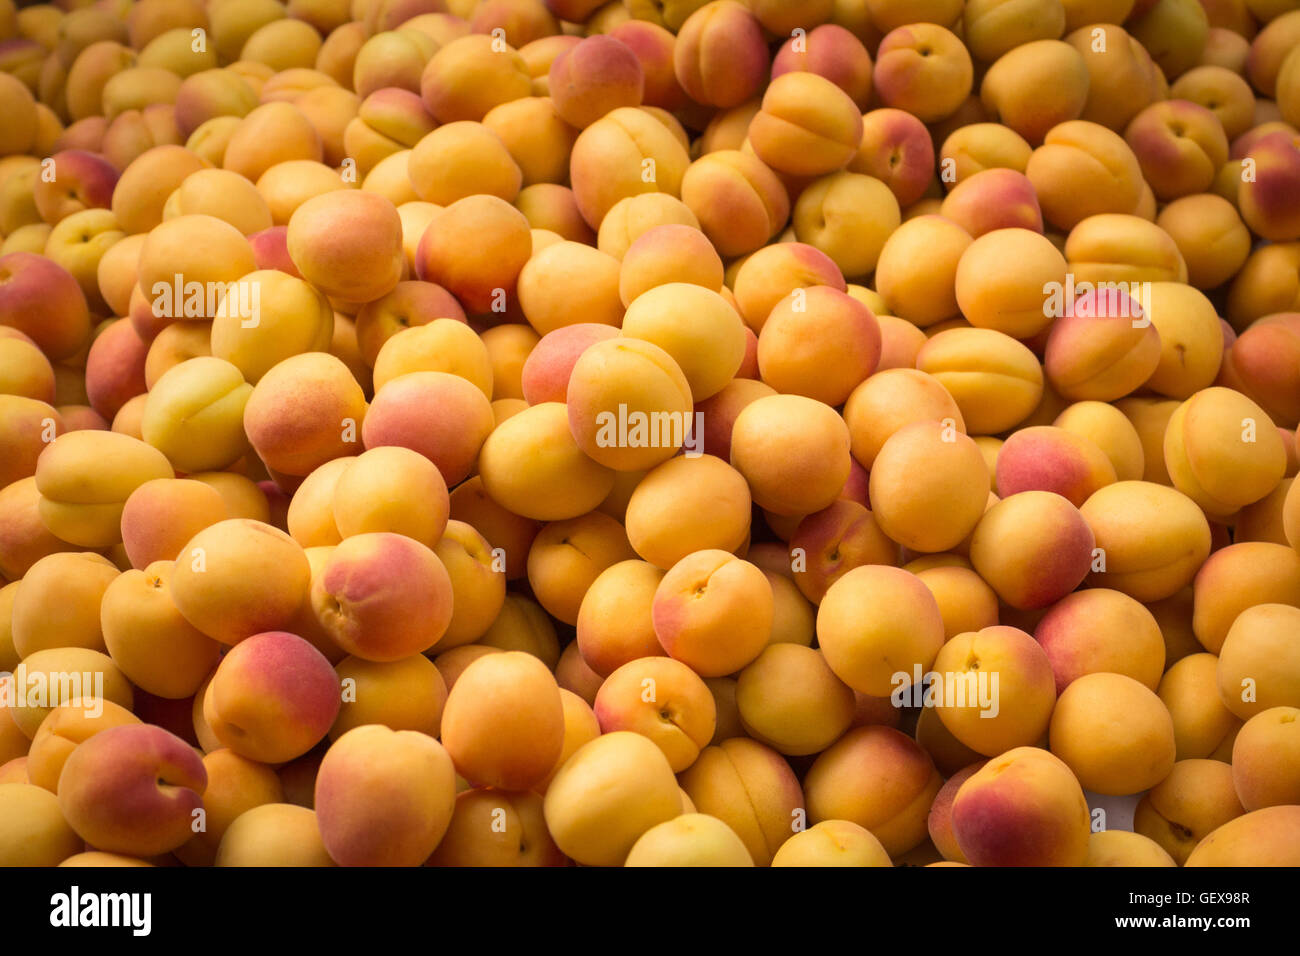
<point>649,432</point>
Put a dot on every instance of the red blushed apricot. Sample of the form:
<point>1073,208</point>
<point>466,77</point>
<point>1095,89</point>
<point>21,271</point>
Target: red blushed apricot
<point>1100,630</point>
<point>1262,364</point>
<point>1033,548</point>
<point>993,199</point>
<point>546,371</point>
<point>848,782</point>
<point>133,789</point>
<point>831,51</point>
<point>720,412</point>
<point>896,148</point>
<point>1268,202</point>
<point>503,724</point>
<point>664,700</point>
<point>820,343</point>
<point>595,76</point>
<point>720,56</point>
<point>1180,145</point>
<point>627,152</point>
<point>793,452</point>
<point>889,400</point>
<point>1102,348</point>
<point>1023,808</point>
<point>383,596</point>
<point>502,244</point>
<point>615,622</point>
<point>451,442</point>
<point>27,425</point>
<point>713,612</point>
<point>924,69</point>
<point>384,797</point>
<point>830,543</point>
<point>1046,458</point>
<point>160,516</point>
<point>772,273</point>
<point>272,698</point>
<point>43,300</point>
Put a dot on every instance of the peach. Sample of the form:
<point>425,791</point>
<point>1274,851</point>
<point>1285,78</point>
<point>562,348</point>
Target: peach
<point>1005,91</point>
<point>832,843</point>
<point>955,485</point>
<point>272,698</point>
<point>149,640</point>
<point>792,137</point>
<point>84,479</point>
<point>890,400</point>
<point>34,831</point>
<point>1263,759</point>
<point>1258,666</point>
<point>995,381</point>
<point>1023,808</point>
<point>627,152</point>
<point>879,779</point>
<point>359,268</point>
<point>751,788</point>
<point>876,622</point>
<point>384,797</point>
<point>790,700</point>
<point>924,69</point>
<point>132,789</point>
<point>383,596</point>
<point>1050,458</point>
<point>303,412</point>
<point>1195,798</point>
<point>481,283</point>
<point>713,611</point>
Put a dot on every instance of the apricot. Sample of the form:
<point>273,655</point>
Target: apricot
<point>1022,792</point>
<point>924,69</point>
<point>790,700</point>
<point>1195,798</point>
<point>34,831</point>
<point>917,269</point>
<point>995,380</point>
<point>1258,667</point>
<point>1263,759</point>
<point>1261,838</point>
<point>813,459</point>
<point>384,797</point>
<point>934,506</point>
<point>1033,548</point>
<point>611,791</point>
<point>713,611</point>
<point>688,504</point>
<point>1102,630</point>
<point>832,843</point>
<point>876,623</point>
<point>627,152</point>
<point>662,699</point>
<point>879,779</point>
<point>1012,88</point>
